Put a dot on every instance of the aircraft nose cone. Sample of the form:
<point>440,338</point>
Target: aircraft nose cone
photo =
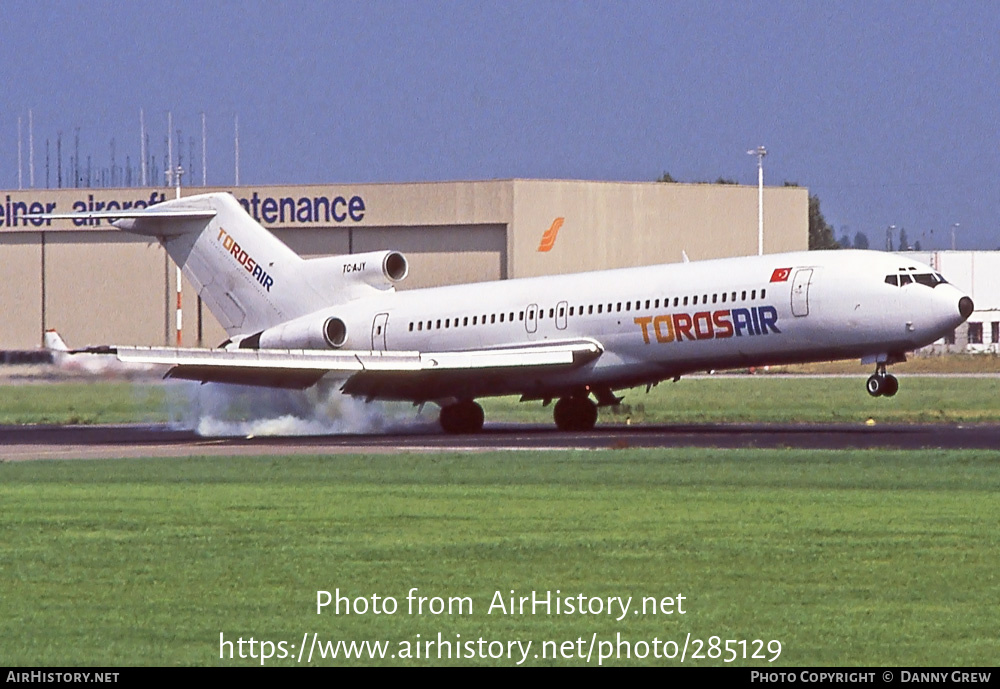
<point>965,307</point>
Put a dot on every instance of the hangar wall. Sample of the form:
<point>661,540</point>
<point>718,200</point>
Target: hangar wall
<point>620,224</point>
<point>97,285</point>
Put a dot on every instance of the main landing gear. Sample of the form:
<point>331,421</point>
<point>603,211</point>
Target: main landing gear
<point>575,413</point>
<point>881,383</point>
<point>462,417</point>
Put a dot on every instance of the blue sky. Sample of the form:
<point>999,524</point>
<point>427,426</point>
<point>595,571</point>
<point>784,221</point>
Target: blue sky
<point>888,111</point>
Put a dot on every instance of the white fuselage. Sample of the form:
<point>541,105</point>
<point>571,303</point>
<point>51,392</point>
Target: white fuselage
<point>659,322</point>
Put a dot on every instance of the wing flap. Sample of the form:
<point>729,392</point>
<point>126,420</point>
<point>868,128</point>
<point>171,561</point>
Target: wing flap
<point>302,368</point>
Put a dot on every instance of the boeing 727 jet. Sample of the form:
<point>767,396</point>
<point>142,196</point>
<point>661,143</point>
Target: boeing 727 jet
<point>574,338</point>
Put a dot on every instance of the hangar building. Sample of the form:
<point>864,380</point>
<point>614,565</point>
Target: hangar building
<point>98,285</point>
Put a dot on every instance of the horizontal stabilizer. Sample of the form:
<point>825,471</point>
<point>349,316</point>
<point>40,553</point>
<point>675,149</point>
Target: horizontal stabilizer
<point>129,213</point>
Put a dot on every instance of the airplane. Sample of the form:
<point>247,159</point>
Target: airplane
<point>573,338</point>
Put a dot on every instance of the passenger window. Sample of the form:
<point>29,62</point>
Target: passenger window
<point>743,296</point>
<point>753,294</point>
<point>685,301</point>
<point>763,292</point>
<point>695,300</point>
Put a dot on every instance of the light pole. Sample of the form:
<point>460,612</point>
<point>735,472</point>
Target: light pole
<point>760,152</point>
<point>953,228</point>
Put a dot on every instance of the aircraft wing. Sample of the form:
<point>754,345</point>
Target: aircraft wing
<point>393,374</point>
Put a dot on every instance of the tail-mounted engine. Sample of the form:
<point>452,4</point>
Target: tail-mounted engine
<point>309,332</point>
<point>379,269</point>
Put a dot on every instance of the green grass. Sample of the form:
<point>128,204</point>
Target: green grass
<point>82,402</point>
<point>847,558</point>
<point>692,400</point>
<point>729,399</point>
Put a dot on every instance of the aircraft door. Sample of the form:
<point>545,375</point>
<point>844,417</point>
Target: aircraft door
<point>378,332</point>
<point>800,292</point>
<point>561,309</point>
<point>531,318</point>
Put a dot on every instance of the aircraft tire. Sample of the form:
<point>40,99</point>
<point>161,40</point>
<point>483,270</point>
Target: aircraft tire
<point>575,414</point>
<point>462,417</point>
<point>875,385</point>
<point>890,386</point>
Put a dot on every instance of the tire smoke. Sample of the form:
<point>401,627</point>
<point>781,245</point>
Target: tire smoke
<point>221,410</point>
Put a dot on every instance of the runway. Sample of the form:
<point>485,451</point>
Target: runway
<point>21,443</point>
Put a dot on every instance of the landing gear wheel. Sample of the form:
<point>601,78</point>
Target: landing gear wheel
<point>891,386</point>
<point>881,383</point>
<point>575,414</point>
<point>462,417</point>
<point>875,385</point>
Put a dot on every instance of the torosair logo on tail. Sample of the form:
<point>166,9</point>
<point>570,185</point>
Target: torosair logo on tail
<point>549,238</point>
<point>243,258</point>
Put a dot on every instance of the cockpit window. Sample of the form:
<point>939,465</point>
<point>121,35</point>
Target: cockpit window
<point>908,278</point>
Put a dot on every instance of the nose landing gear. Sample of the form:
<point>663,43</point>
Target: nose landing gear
<point>881,383</point>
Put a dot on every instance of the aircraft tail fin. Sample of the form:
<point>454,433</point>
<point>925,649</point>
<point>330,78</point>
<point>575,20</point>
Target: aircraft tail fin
<point>245,275</point>
<point>248,278</point>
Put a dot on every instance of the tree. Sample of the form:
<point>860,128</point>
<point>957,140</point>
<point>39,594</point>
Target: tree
<point>904,244</point>
<point>845,242</point>
<point>666,177</point>
<point>820,231</point>
<point>861,241</point>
